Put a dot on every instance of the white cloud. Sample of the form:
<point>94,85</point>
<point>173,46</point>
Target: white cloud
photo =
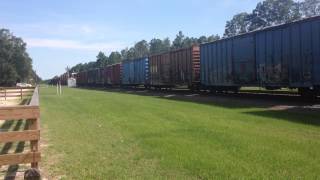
<point>71,44</point>
<point>76,32</point>
<point>54,29</point>
<point>88,30</point>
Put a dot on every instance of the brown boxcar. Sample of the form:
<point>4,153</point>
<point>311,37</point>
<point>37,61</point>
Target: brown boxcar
<point>108,75</point>
<point>176,68</point>
<point>64,79</point>
<point>185,66</point>
<point>116,74</point>
<point>100,77</point>
<point>112,75</point>
<point>82,78</point>
<point>160,70</point>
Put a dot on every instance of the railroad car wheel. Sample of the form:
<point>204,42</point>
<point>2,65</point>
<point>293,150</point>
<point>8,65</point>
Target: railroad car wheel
<point>213,90</point>
<point>146,87</point>
<point>194,87</point>
<point>317,89</point>
<point>236,90</point>
<point>308,93</point>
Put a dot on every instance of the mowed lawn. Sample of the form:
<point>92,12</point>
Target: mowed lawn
<point>91,134</point>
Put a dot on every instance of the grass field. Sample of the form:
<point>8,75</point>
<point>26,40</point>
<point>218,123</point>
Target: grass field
<point>92,134</point>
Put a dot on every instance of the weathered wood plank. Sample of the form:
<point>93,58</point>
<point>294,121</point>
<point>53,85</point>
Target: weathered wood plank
<point>2,88</point>
<point>11,95</point>
<point>19,112</point>
<point>31,113</point>
<point>35,98</point>
<point>13,136</point>
<point>34,125</point>
<point>20,158</point>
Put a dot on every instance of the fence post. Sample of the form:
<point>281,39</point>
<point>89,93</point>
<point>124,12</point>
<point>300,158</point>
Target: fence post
<point>5,94</point>
<point>60,88</point>
<point>34,145</point>
<point>21,92</point>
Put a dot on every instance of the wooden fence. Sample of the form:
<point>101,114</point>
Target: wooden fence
<point>15,92</point>
<point>31,114</point>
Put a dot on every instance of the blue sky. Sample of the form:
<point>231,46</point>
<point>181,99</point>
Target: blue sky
<point>62,33</point>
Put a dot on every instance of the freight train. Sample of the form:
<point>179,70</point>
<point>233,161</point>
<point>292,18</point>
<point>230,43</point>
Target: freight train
<point>284,56</point>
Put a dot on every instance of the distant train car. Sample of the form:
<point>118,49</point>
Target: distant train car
<point>160,71</point>
<point>176,68</point>
<point>64,79</point>
<point>185,67</point>
<point>100,77</point>
<point>92,77</point>
<point>282,56</point>
<point>112,75</point>
<point>135,72</point>
<point>82,78</point>
<point>108,75</point>
<point>116,74</point>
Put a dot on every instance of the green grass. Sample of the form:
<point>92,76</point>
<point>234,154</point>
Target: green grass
<point>108,135</point>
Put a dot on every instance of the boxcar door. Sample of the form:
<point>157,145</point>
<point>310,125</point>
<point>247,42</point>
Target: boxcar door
<point>306,53</point>
<point>244,60</point>
<point>261,57</point>
<point>316,51</point>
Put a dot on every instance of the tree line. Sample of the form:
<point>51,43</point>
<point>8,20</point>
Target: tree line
<point>270,13</point>
<point>15,63</point>
<point>143,49</point>
<point>266,13</point>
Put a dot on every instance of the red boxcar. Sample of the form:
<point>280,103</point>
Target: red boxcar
<point>116,74</point>
<point>64,79</point>
<point>176,68</point>
<point>160,71</point>
<point>185,66</point>
<point>112,75</point>
<point>82,78</point>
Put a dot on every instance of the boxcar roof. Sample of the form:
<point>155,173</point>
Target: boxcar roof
<point>266,29</point>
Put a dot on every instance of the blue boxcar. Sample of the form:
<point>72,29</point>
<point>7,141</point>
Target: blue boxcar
<point>135,72</point>
<point>281,56</point>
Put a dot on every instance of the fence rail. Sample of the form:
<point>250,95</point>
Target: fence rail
<point>31,114</point>
<point>15,92</point>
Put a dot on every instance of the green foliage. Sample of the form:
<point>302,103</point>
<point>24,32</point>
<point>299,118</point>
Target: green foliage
<point>8,74</point>
<point>114,57</point>
<point>237,25</point>
<point>273,12</point>
<point>179,41</point>
<point>310,8</point>
<point>15,63</point>
<point>182,41</point>
<point>158,46</point>
<point>35,78</point>
<point>270,13</point>
<point>102,60</point>
<point>143,49</point>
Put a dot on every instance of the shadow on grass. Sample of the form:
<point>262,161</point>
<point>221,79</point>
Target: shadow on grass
<point>19,148</point>
<point>7,146</point>
<point>227,100</point>
<point>295,114</point>
<point>298,113</point>
<point>25,101</point>
<point>296,109</point>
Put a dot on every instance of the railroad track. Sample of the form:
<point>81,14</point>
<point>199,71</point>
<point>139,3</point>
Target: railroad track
<point>266,95</point>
